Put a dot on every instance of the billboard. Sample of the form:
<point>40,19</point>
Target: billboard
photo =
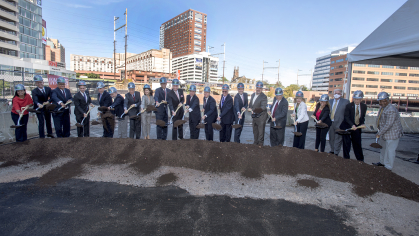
<point>214,65</point>
<point>44,28</point>
<point>198,63</point>
<point>52,81</point>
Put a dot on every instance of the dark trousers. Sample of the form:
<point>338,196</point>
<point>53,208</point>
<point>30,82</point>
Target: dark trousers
<point>85,130</point>
<point>21,132</point>
<point>134,128</point>
<point>321,138</point>
<point>355,139</point>
<point>62,124</point>
<point>192,127</point>
<point>225,132</point>
<point>238,131</point>
<point>107,133</point>
<point>300,142</point>
<point>162,131</point>
<point>277,136</point>
<point>44,119</point>
<point>209,131</point>
<point>177,130</point>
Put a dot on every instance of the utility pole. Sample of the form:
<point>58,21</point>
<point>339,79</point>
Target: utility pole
<point>297,75</point>
<point>263,69</point>
<point>224,61</point>
<point>279,61</point>
<point>126,37</point>
<point>273,67</point>
<point>114,42</point>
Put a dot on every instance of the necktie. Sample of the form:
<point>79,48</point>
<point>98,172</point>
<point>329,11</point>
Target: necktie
<point>177,94</point>
<point>222,101</point>
<point>165,94</point>
<point>356,115</point>
<point>85,98</point>
<point>133,97</point>
<point>333,110</point>
<point>100,96</point>
<point>276,105</point>
<point>242,99</point>
<point>205,102</point>
<point>63,92</point>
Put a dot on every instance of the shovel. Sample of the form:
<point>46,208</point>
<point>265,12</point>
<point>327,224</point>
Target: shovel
<point>96,122</point>
<point>217,126</point>
<point>319,125</point>
<point>37,109</point>
<point>298,134</point>
<point>151,108</point>
<point>161,123</point>
<point>123,114</point>
<point>181,122</point>
<point>276,126</point>
<point>138,115</point>
<point>20,117</point>
<point>346,131</point>
<point>80,125</point>
<point>202,124</point>
<point>375,145</point>
<point>50,106</point>
<point>238,125</point>
<point>65,105</point>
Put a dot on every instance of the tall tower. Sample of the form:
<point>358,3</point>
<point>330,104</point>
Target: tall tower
<point>235,74</point>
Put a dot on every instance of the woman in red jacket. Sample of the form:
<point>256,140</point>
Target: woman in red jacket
<point>21,100</point>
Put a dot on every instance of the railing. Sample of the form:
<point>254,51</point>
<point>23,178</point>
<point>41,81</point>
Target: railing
<point>11,3</point>
<point>10,12</point>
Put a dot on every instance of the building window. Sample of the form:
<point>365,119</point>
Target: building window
<point>386,73</point>
<point>358,78</point>
<point>389,67</point>
<point>358,85</point>
<point>371,86</point>
<point>331,74</point>
<point>412,95</point>
<point>372,79</point>
<point>413,81</point>
<point>399,87</point>
<point>413,88</point>
<point>414,68</point>
<point>375,66</point>
<point>332,62</point>
<point>370,93</point>
<point>385,87</point>
<point>373,73</point>
<point>340,79</point>
<point>401,74</point>
<point>386,80</point>
<point>331,68</point>
<point>340,60</point>
<point>359,72</point>
<point>402,67</point>
<point>414,75</point>
<point>330,80</point>
<point>400,81</point>
<point>398,94</point>
<point>331,86</point>
<point>359,65</point>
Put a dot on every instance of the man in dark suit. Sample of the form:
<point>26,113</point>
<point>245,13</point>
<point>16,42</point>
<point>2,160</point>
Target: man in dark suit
<point>105,100</point>
<point>59,97</point>
<point>210,113</point>
<point>279,111</point>
<point>133,99</point>
<point>40,95</point>
<point>81,101</point>
<point>192,106</point>
<point>117,105</point>
<point>226,114</point>
<point>160,95</point>
<point>258,100</point>
<point>175,98</point>
<point>354,116</point>
<point>240,104</point>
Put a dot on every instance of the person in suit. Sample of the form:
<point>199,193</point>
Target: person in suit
<point>21,101</point>
<point>42,94</point>
<point>322,115</point>
<point>338,105</point>
<point>117,106</point>
<point>192,107</point>
<point>390,130</point>
<point>105,100</point>
<point>133,99</point>
<point>160,96</point>
<point>81,101</point>
<point>301,120</point>
<point>226,114</point>
<point>279,112</point>
<point>258,100</point>
<point>147,100</point>
<point>240,104</point>
<point>175,99</point>
<point>210,113</point>
<point>354,116</point>
<point>59,97</point>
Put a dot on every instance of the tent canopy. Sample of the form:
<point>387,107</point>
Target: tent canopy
<point>395,42</point>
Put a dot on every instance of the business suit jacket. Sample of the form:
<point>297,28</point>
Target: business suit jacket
<point>349,119</point>
<point>324,115</point>
<point>105,100</point>
<point>174,102</point>
<point>339,112</point>
<point>129,101</point>
<point>159,97</point>
<point>57,96</point>
<point>281,113</point>
<point>195,114</point>
<point>40,97</point>
<point>239,104</point>
<point>210,110</point>
<point>118,105</point>
<point>227,110</point>
<point>261,101</point>
<point>80,104</point>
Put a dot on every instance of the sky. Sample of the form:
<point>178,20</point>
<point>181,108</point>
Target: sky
<point>294,32</point>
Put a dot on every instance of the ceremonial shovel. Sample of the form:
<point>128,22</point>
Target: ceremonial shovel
<point>20,117</point>
<point>217,126</point>
<point>65,105</point>
<point>37,109</point>
<point>298,134</point>
<point>132,106</point>
<point>375,145</point>
<point>346,131</point>
<point>319,125</point>
<point>238,125</point>
<point>80,125</point>
<point>202,124</point>
<point>181,122</point>
<point>276,126</point>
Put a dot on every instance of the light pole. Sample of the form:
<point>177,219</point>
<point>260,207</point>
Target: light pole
<point>263,69</point>
<point>279,61</point>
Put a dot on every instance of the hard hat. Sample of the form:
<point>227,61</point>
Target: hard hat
<point>358,94</point>
<point>81,82</point>
<point>131,85</point>
<point>163,80</point>
<point>240,86</point>
<point>299,94</point>
<point>225,87</point>
<point>192,88</point>
<point>324,98</point>
<point>112,90</point>
<point>278,91</point>
<point>382,96</point>
<point>259,84</point>
<point>175,82</point>
<point>100,85</point>
<point>146,86</point>
<point>19,87</point>
<point>37,78</point>
<point>207,89</point>
<point>61,80</point>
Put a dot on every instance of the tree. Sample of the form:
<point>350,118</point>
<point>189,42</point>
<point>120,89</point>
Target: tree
<point>304,88</point>
<point>279,84</point>
<point>78,75</point>
<point>270,94</point>
<point>289,91</point>
<point>224,80</point>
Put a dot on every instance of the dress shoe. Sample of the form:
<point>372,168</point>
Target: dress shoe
<point>331,152</point>
<point>50,135</point>
<point>378,164</point>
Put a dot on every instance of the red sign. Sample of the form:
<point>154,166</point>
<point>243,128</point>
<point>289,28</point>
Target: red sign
<point>44,23</point>
<point>52,81</point>
<point>52,63</point>
<point>178,74</point>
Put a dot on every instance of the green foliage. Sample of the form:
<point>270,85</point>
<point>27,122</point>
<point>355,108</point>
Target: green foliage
<point>288,91</point>
<point>224,80</point>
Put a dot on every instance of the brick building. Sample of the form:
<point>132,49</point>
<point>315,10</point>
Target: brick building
<point>54,51</point>
<point>338,71</point>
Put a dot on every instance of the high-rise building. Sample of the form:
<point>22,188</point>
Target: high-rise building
<point>97,64</point>
<point>184,34</point>
<point>321,75</point>
<point>54,51</point>
<point>30,28</point>
<point>198,67</point>
<point>9,28</point>
<point>153,60</point>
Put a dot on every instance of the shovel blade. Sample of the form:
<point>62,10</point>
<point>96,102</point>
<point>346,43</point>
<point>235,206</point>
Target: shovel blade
<point>236,126</point>
<point>298,134</point>
<point>216,126</point>
<point>95,122</point>
<point>161,123</point>
<point>278,127</point>
<point>200,126</point>
<point>151,108</point>
<point>15,126</point>
<point>79,125</point>
<point>179,122</point>
<point>376,145</point>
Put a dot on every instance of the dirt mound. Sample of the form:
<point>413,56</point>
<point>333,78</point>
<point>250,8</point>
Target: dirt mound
<point>166,179</point>
<point>252,161</point>
<point>309,183</point>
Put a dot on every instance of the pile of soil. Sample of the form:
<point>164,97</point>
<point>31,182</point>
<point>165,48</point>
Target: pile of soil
<point>251,161</point>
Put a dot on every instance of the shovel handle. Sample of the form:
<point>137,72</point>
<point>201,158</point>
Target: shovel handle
<point>90,109</point>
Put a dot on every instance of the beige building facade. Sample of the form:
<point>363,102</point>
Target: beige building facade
<point>152,60</point>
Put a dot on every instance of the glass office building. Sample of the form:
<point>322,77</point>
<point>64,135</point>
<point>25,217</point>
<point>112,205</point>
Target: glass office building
<point>30,30</point>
